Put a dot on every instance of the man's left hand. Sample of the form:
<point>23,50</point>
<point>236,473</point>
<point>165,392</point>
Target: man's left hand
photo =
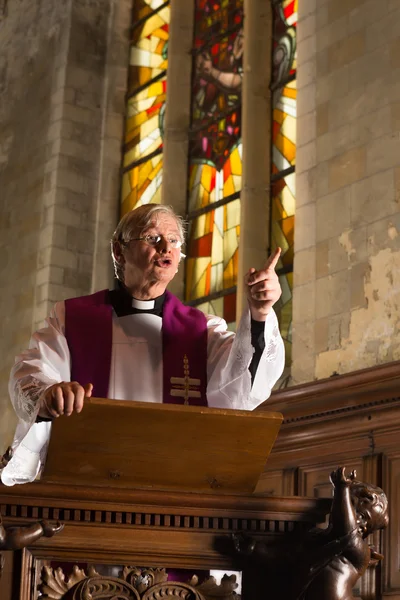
<point>263,288</point>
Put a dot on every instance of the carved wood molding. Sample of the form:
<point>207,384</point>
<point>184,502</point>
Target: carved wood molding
<point>364,388</point>
<point>133,584</point>
<point>279,524</point>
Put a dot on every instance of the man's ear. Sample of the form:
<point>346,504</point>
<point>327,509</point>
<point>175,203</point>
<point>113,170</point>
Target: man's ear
<point>118,253</point>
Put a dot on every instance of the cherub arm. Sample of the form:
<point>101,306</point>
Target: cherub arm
<point>15,538</point>
<point>343,518</point>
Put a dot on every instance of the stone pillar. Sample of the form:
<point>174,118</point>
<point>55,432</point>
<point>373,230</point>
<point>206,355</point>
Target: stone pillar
<point>177,117</point>
<point>304,294</point>
<point>256,131</point>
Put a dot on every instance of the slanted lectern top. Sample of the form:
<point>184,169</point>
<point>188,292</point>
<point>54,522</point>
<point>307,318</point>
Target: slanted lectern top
<point>161,446</point>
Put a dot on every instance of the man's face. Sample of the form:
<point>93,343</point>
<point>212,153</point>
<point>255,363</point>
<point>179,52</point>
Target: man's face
<point>146,265</point>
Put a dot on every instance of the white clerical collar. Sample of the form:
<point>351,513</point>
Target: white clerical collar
<point>143,304</point>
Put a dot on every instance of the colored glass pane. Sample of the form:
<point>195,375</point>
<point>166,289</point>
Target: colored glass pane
<point>212,253</point>
<point>141,182</point>
<point>215,138</point>
<point>215,151</point>
<point>283,190</point>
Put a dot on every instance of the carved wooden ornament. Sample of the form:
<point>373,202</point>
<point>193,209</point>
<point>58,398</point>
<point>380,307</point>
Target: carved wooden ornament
<point>134,584</point>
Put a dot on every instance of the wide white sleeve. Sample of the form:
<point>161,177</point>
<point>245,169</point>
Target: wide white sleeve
<point>229,356</point>
<point>47,361</point>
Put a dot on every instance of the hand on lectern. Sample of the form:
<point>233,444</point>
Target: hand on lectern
<point>64,398</point>
<point>263,287</point>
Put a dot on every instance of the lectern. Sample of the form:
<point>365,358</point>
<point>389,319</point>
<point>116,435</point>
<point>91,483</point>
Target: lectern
<point>145,492</point>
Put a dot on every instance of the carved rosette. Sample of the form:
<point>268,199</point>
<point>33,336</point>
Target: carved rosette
<point>134,584</point>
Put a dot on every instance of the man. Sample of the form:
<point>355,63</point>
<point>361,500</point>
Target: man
<point>140,342</point>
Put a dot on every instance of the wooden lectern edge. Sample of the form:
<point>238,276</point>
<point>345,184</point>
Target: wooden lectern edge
<point>95,401</point>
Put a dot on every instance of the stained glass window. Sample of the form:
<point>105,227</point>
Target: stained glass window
<point>142,160</point>
<point>215,158</point>
<point>283,189</point>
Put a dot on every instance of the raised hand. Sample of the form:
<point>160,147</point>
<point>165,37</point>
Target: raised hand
<point>64,398</point>
<point>263,288</point>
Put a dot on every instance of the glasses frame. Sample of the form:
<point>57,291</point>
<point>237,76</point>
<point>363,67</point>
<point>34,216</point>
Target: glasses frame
<point>159,238</point>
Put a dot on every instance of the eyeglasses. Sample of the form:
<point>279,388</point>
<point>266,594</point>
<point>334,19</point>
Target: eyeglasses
<point>155,239</point>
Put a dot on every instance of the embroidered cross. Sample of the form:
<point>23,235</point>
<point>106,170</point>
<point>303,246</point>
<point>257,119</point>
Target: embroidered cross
<point>183,386</point>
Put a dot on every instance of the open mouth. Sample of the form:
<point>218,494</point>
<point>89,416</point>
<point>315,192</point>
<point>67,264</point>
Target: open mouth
<point>163,262</point>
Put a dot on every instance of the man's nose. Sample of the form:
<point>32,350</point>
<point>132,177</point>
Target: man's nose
<point>164,245</point>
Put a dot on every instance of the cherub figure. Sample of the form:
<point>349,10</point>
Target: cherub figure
<point>358,509</point>
<point>325,563</point>
<point>16,538</point>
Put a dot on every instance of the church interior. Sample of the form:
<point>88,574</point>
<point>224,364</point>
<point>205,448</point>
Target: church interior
<point>265,124</point>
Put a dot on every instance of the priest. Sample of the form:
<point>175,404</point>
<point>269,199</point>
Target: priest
<point>140,342</point>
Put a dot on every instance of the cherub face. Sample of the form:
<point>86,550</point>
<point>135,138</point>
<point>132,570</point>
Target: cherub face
<point>371,506</point>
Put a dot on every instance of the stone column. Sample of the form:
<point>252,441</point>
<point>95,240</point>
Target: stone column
<point>177,117</point>
<point>256,128</point>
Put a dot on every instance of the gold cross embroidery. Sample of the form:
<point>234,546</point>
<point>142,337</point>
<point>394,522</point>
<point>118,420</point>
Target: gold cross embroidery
<point>182,386</point>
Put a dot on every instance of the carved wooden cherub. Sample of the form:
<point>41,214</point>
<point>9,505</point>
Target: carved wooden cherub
<point>358,509</point>
<point>15,538</point>
<point>325,563</point>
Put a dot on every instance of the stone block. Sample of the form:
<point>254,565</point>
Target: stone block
<point>372,198</point>
<point>345,51</point>
<point>306,27</point>
<point>322,16</point>
<point>303,354</point>
<point>354,242</point>
<point>60,257</point>
<point>49,274</point>
<point>306,8</point>
<point>306,187</point>
<point>306,100</point>
<point>322,118</point>
<point>304,267</point>
<point>306,129</point>
<point>332,33</point>
<point>369,67</point>
<point>79,240</point>
<point>306,73</point>
<point>357,285</point>
<point>304,303</point>
<point>338,8</point>
<point>305,227</point>
<point>333,214</point>
<point>384,29</point>
<point>79,114</point>
<point>332,87</point>
<point>339,329</point>
<point>333,143</point>
<point>384,233</point>
<point>321,335</point>
<point>322,259</point>
<point>338,257</point>
<point>332,294</point>
<point>322,59</point>
<point>306,49</point>
<point>373,125</point>
<point>322,178</point>
<point>306,157</point>
<point>347,168</point>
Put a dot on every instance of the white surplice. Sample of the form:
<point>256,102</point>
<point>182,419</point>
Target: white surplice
<point>136,373</point>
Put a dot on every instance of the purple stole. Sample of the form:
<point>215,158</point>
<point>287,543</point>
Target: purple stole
<point>88,329</point>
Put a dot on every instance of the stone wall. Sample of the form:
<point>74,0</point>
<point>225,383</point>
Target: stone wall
<point>347,244</point>
<point>63,72</point>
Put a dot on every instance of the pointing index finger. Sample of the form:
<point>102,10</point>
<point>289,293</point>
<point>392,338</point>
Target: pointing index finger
<point>272,260</point>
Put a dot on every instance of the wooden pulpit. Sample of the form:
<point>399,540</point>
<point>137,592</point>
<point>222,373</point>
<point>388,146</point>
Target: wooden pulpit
<point>145,492</point>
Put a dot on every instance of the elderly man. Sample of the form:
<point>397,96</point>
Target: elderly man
<point>140,342</point>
